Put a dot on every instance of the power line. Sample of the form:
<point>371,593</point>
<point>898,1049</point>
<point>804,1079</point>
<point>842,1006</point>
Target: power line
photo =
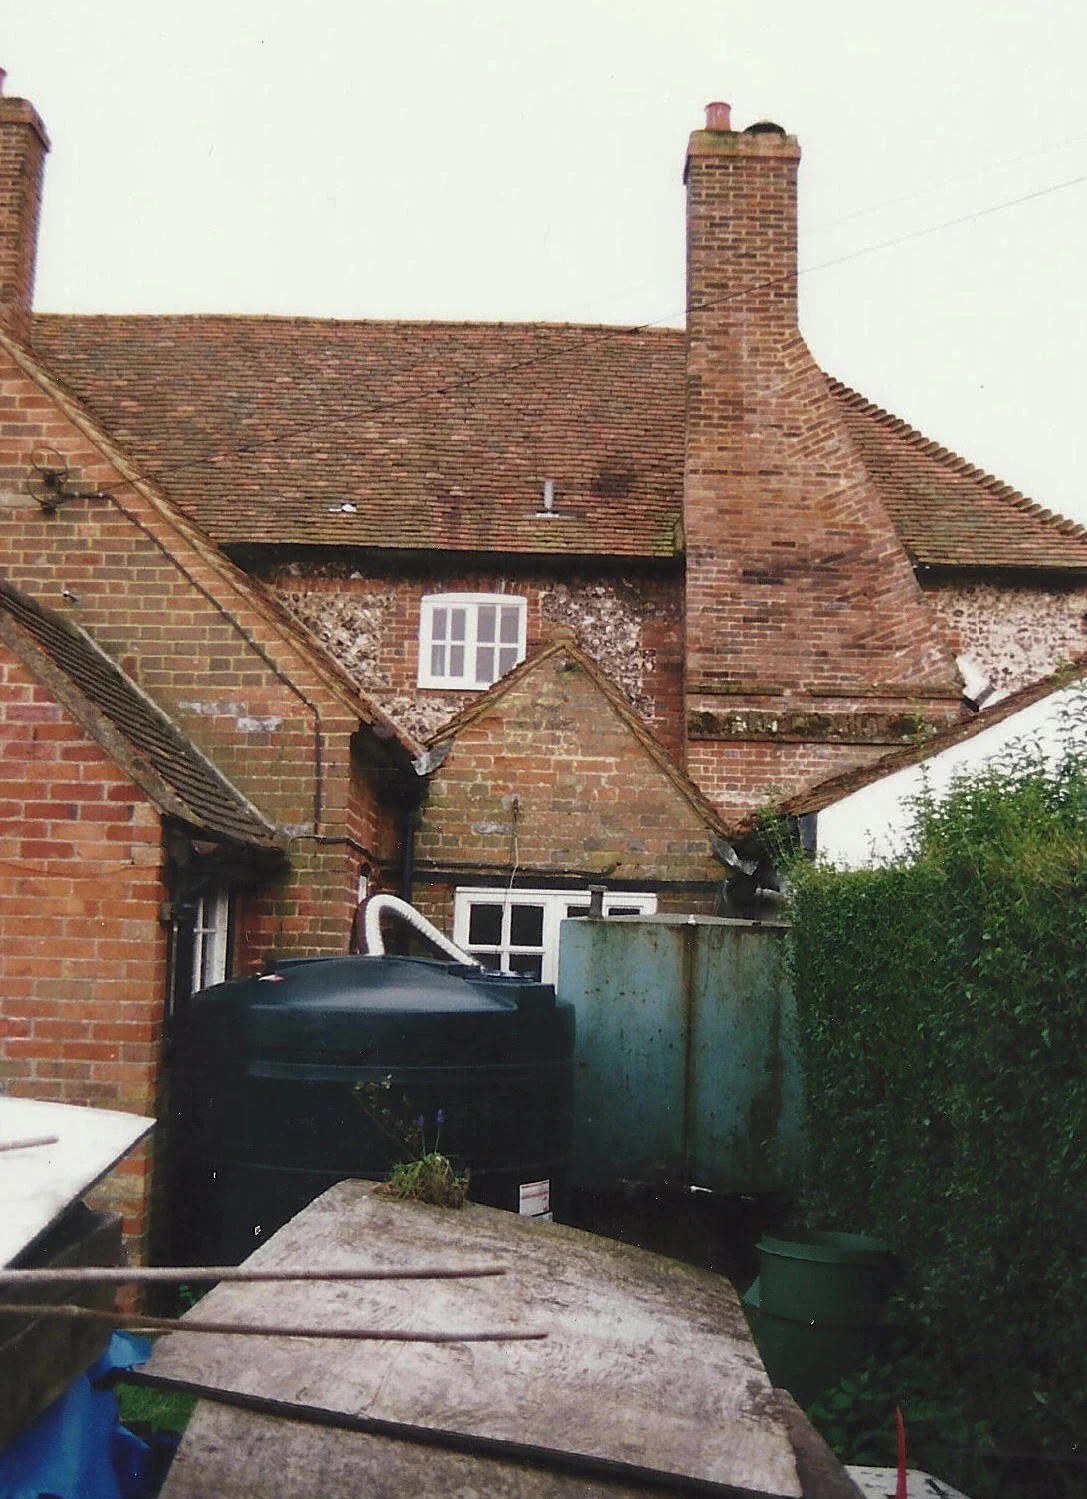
<point>505,370</point>
<point>946,182</point>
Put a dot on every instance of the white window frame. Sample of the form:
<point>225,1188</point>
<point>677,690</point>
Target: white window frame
<point>555,903</point>
<point>435,608</point>
<point>211,939</point>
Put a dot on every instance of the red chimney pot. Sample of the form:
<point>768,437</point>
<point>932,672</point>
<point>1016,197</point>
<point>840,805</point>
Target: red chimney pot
<point>718,116</point>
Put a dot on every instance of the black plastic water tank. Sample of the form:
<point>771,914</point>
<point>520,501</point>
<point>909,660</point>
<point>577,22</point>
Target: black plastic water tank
<point>278,1088</point>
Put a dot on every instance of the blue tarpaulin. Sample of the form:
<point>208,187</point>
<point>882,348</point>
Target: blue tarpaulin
<point>76,1449</point>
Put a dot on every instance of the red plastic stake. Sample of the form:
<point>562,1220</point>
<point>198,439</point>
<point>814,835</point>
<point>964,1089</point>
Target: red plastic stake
<point>900,1430</point>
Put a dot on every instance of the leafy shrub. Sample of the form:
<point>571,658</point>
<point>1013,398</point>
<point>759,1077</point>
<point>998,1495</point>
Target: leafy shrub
<point>857,1417</point>
<point>942,1021</point>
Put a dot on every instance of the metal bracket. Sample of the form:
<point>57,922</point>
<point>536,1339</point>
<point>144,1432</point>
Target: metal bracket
<point>49,484</point>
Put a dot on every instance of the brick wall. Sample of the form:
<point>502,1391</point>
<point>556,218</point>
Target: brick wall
<point>367,615</point>
<point>740,777</point>
<point>797,587</point>
<point>550,781</point>
<point>184,624</point>
<point>82,957</point>
<point>23,145</point>
<point>189,629</point>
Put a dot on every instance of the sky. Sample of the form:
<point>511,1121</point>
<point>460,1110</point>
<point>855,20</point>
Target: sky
<point>497,161</point>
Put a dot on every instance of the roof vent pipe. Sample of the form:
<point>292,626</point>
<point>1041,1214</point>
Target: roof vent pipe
<point>718,116</point>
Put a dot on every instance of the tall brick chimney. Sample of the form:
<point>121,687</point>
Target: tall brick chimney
<point>23,144</point>
<point>809,643</point>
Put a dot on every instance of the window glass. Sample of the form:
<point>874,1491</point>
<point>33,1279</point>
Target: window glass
<point>469,640</point>
<point>211,939</point>
<point>518,930</point>
<point>485,924</point>
<point>531,966</point>
<point>526,925</point>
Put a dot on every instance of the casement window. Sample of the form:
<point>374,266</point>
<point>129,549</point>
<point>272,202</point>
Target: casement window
<point>517,931</point>
<point>211,939</point>
<point>469,639</point>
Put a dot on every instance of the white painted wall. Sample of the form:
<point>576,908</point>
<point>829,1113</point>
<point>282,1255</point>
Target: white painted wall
<point>875,823</point>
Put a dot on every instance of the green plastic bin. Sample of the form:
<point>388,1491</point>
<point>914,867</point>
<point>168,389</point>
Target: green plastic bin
<point>816,1305</point>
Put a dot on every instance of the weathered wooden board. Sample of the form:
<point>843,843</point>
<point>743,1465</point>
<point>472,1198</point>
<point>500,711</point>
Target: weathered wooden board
<point>648,1372</point>
<point>38,1182</point>
<point>252,1456</point>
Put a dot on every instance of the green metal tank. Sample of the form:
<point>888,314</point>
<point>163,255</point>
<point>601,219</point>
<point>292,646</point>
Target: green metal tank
<point>685,1065</point>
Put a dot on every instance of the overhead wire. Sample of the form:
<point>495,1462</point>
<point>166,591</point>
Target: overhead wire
<point>974,175</point>
<point>602,335</point>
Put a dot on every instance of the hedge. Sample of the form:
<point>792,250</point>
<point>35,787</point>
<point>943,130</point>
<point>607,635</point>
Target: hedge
<point>942,1022</point>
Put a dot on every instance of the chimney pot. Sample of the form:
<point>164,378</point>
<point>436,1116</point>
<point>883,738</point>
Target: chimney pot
<point>3,75</point>
<point>718,116</point>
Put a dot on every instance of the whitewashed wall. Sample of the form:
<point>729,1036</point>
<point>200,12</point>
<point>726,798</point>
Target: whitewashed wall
<point>874,823</point>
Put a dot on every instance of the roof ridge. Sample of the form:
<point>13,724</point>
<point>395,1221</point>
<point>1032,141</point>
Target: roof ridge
<point>312,319</point>
<point>948,458</point>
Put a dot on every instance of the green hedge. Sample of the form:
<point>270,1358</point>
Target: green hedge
<point>942,1020</point>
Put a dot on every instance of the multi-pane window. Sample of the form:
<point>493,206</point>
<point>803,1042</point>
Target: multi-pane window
<point>469,639</point>
<point>517,931</point>
<point>211,939</point>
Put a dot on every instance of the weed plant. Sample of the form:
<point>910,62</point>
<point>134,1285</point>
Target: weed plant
<point>426,1175</point>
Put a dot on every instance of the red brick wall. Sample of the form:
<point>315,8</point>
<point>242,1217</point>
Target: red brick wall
<point>23,144</point>
<point>797,586</point>
<point>368,616</point>
<point>191,632</point>
<point>82,955</point>
<point>740,777</point>
<point>550,781</point>
<point>183,623</point>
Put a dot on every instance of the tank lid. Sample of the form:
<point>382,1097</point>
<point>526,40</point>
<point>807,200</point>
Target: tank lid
<point>386,984</point>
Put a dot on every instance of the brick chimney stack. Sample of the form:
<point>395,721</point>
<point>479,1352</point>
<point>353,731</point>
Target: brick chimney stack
<point>808,638</point>
<point>23,145</point>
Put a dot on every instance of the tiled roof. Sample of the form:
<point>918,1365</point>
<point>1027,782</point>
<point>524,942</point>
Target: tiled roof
<point>440,436</point>
<point>149,747</point>
<point>949,513</point>
<point>435,435</point>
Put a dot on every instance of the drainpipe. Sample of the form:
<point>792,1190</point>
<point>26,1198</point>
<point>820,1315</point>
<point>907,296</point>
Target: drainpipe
<point>408,824</point>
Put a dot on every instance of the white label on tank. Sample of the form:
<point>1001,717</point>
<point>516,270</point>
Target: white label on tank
<point>535,1200</point>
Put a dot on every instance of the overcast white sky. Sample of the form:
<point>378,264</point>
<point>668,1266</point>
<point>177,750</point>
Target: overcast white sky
<point>494,160</point>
